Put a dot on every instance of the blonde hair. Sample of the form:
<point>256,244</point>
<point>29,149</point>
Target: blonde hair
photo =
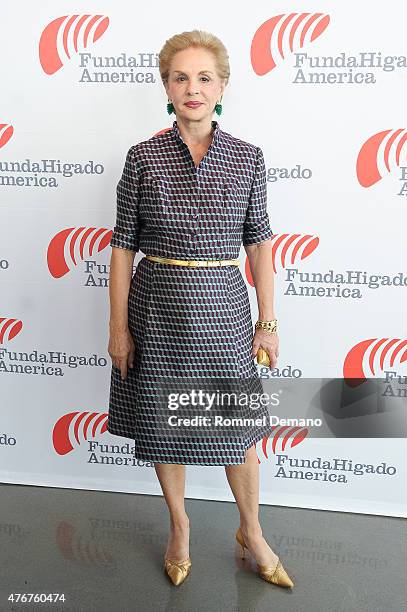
<point>197,39</point>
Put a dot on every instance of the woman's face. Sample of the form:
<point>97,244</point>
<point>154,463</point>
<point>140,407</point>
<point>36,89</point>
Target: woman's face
<point>193,77</point>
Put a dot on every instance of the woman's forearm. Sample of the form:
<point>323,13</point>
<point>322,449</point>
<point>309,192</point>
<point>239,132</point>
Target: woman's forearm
<point>121,270</point>
<point>260,257</point>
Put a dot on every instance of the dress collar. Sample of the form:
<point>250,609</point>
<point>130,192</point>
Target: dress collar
<point>215,137</point>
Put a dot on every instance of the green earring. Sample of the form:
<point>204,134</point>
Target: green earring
<point>170,108</point>
<point>218,108</point>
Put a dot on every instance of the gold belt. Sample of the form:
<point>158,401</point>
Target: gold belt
<point>197,263</point>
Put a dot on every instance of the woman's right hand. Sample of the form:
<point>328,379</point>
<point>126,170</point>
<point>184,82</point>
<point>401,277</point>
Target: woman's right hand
<point>121,349</point>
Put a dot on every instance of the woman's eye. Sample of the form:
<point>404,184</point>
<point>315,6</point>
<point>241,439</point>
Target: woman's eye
<point>182,78</point>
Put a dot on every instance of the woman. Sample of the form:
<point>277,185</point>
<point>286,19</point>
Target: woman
<point>188,196</point>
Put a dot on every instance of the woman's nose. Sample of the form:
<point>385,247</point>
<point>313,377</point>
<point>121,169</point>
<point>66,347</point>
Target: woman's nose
<point>193,89</point>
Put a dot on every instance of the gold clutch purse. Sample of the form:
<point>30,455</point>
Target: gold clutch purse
<point>263,357</point>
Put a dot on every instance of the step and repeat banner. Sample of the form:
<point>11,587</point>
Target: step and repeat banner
<point>322,92</point>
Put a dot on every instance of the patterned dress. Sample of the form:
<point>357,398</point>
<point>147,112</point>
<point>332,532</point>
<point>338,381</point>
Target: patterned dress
<point>187,322</point>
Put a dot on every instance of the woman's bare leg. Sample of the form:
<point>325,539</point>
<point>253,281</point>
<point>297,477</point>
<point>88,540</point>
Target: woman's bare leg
<point>172,480</point>
<point>244,483</point>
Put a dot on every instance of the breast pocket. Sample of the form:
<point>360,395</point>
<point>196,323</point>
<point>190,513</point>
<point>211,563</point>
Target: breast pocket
<point>155,200</point>
<point>236,197</point>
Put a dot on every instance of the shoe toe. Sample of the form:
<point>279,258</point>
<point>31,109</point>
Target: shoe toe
<point>276,575</point>
<point>176,571</point>
<point>284,578</point>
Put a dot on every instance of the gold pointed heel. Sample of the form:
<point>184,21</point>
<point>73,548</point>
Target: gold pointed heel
<point>276,575</point>
<point>177,570</point>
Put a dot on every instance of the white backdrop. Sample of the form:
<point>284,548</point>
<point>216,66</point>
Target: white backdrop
<point>341,128</point>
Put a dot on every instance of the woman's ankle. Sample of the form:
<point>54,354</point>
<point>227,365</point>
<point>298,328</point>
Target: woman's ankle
<point>179,522</point>
<point>251,530</point>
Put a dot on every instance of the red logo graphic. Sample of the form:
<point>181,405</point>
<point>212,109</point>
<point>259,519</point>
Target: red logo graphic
<point>66,36</point>
<point>69,426</point>
<point>64,247</point>
<point>284,34</point>
<point>6,132</point>
<point>284,434</point>
<point>300,246</point>
<point>390,143</point>
<point>79,549</point>
<point>162,132</point>
<point>370,354</point>
<point>9,328</point>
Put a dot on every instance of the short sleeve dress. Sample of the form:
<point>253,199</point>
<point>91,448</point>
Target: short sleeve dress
<point>186,321</point>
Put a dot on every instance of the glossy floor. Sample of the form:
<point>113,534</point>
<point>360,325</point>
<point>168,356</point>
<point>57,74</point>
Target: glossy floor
<point>104,551</point>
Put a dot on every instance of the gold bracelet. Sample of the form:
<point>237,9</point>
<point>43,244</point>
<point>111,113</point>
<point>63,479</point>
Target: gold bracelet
<point>269,326</point>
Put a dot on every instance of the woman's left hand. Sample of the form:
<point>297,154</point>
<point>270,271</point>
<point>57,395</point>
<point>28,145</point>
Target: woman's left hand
<point>267,341</point>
